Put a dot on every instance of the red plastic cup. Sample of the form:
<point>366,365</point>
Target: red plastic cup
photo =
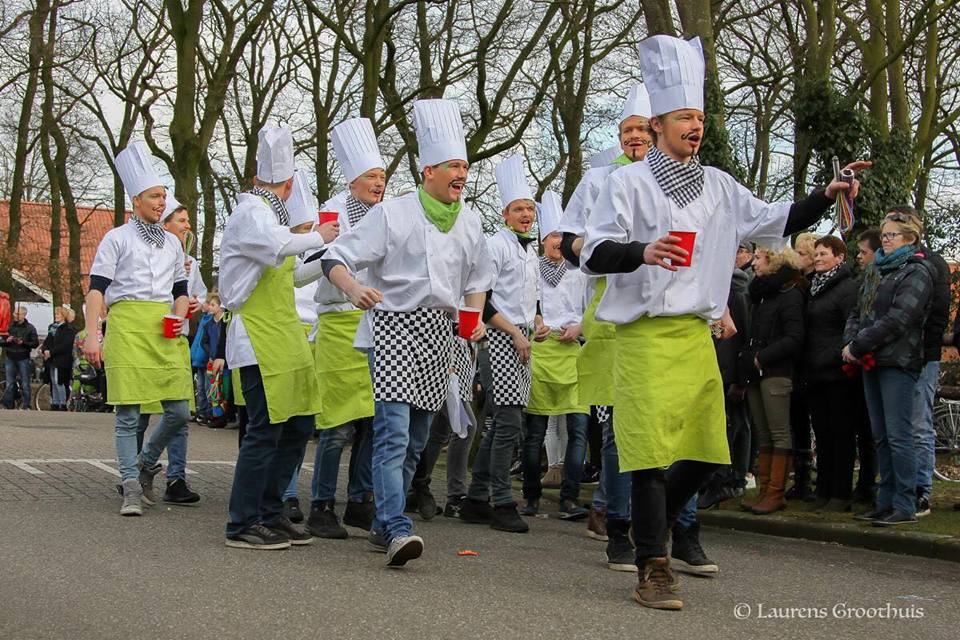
<point>169,326</point>
<point>687,240</point>
<point>189,313</point>
<point>469,319</point>
<point>328,216</point>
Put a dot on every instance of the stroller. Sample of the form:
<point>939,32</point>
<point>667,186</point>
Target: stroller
<point>87,392</point>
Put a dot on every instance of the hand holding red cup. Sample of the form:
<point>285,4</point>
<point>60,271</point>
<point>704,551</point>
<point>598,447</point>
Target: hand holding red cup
<point>172,325</point>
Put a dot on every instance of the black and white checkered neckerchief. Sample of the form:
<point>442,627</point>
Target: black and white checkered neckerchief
<point>355,210</point>
<point>682,183</point>
<point>279,209</point>
<point>150,233</point>
<point>552,272</point>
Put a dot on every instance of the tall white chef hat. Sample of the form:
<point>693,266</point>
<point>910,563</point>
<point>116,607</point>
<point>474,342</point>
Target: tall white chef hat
<point>606,157</point>
<point>275,154</point>
<point>637,104</point>
<point>355,145</point>
<point>548,213</point>
<point>673,73</point>
<point>172,205</point>
<point>136,169</point>
<point>301,205</point>
<point>439,132</point>
<point>512,181</point>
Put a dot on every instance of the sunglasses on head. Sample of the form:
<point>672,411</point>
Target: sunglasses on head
<point>898,216</point>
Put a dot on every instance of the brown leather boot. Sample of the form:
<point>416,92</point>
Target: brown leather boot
<point>655,586</point>
<point>597,525</point>
<point>763,477</point>
<point>773,499</point>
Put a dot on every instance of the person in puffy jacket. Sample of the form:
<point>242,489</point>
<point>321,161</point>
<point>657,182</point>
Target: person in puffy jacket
<point>773,347</point>
<point>884,334</point>
<point>833,394</point>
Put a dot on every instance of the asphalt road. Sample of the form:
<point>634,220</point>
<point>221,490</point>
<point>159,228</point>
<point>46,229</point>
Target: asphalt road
<point>70,567</point>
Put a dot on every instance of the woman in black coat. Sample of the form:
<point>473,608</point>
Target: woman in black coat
<point>773,346</point>
<point>57,349</point>
<point>834,397</point>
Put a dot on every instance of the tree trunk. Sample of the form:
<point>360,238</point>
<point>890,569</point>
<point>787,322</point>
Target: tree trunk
<point>873,57</point>
<point>658,16</point>
<point>209,221</point>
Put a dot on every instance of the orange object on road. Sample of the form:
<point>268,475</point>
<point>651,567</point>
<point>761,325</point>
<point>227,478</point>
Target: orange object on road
<point>467,553</point>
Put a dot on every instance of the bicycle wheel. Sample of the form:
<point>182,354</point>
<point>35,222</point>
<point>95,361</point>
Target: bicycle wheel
<point>947,443</point>
<point>42,398</point>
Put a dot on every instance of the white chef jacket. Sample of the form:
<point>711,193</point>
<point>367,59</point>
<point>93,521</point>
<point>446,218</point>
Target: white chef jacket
<point>138,270</point>
<point>563,305</point>
<point>327,296</point>
<point>306,307</point>
<point>632,206</point>
<point>253,240</point>
<point>578,207</point>
<point>516,277</point>
<point>411,262</point>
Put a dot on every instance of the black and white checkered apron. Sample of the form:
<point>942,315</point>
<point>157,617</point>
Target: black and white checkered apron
<point>465,366</point>
<point>511,378</point>
<point>412,354</point>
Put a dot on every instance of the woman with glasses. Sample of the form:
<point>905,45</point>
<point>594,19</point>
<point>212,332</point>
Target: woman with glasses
<point>884,334</point>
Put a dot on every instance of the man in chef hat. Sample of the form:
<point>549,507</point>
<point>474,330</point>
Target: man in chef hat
<point>138,273</point>
<point>663,297</point>
<point>423,252</point>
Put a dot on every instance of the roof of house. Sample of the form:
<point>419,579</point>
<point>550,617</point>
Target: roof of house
<point>34,251</point>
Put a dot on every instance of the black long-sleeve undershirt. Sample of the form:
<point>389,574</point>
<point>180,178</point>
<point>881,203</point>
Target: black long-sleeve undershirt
<point>623,257</point>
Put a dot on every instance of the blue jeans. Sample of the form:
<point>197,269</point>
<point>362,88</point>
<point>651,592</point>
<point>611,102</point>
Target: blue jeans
<point>613,493</point>
<point>269,455</point>
<point>202,391</point>
<point>17,369</point>
<point>924,435</point>
<point>291,491</point>
<point>400,433</point>
<point>688,514</point>
<point>890,392</point>
<point>176,448</point>
<point>326,464</point>
<point>536,428</point>
<point>172,423</point>
<point>58,392</point>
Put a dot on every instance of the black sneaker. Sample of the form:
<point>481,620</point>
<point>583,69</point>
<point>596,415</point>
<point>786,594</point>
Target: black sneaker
<point>923,506</point>
<point>283,526</point>
<point>714,496</point>
<point>452,508</point>
<point>895,518</point>
<point>531,509</point>
<point>257,536</point>
<point>570,510</point>
<point>591,475</point>
<point>872,514</point>
<point>291,509</point>
<point>323,523</point>
<point>687,555</point>
<point>475,512</point>
<point>178,492</point>
<point>427,505</point>
<point>376,542</point>
<point>621,555</point>
<point>359,515</point>
<point>504,517</point>
<point>516,469</point>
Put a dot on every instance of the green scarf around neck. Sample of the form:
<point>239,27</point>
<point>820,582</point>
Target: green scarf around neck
<point>443,216</point>
<point>521,234</point>
<point>622,160</point>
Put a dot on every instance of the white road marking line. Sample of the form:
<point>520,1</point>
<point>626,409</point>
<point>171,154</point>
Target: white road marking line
<point>25,467</point>
<point>100,465</point>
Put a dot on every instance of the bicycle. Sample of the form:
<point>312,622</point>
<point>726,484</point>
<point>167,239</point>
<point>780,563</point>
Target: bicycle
<point>946,424</point>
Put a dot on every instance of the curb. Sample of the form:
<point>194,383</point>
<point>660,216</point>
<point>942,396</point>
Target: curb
<point>928,545</point>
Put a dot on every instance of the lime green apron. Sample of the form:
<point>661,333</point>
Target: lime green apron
<point>554,389</point>
<point>344,374</point>
<point>668,394</point>
<point>596,355</point>
<point>142,366</point>
<point>238,400</point>
<point>283,353</point>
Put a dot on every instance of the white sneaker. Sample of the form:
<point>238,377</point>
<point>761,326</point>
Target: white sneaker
<point>403,549</point>
<point>751,481</point>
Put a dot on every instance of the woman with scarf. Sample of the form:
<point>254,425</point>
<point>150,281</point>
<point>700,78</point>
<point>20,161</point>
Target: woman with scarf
<point>884,334</point>
<point>774,342</point>
<point>834,397</point>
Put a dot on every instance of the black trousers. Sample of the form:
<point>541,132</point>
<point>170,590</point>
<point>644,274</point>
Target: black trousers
<point>658,495</point>
<point>833,411</point>
<point>866,452</point>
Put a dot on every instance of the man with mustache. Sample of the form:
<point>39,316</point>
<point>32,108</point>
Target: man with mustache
<point>512,310</point>
<point>138,273</point>
<point>343,370</point>
<point>610,517</point>
<point>674,418</point>
<point>423,252</point>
